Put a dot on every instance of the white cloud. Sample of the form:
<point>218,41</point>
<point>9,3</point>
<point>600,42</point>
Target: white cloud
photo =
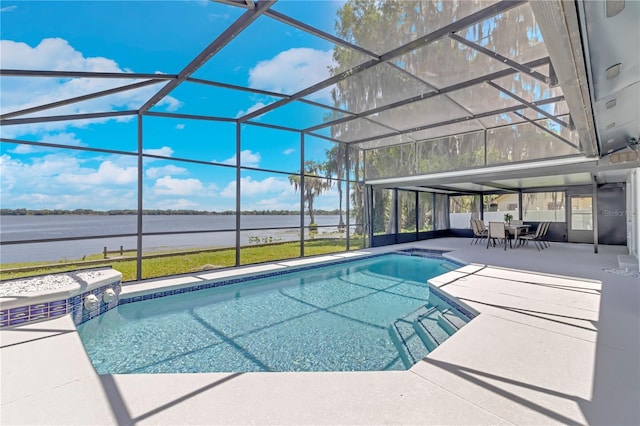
<point>165,151</point>
<point>247,158</point>
<point>229,191</point>
<point>58,55</point>
<point>250,187</point>
<point>52,53</point>
<point>25,149</point>
<point>292,70</point>
<point>288,151</point>
<point>169,186</point>
<point>180,126</point>
<point>61,181</point>
<point>62,138</point>
<point>107,174</point>
<point>40,172</point>
<point>170,103</point>
<point>8,9</point>
<point>254,107</point>
<point>155,172</point>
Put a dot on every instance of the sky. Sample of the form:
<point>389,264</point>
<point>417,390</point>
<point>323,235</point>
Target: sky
<point>158,37</point>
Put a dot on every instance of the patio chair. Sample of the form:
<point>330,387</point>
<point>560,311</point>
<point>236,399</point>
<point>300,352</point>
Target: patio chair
<point>535,237</point>
<point>479,231</point>
<point>498,231</point>
<point>481,226</point>
<point>544,234</point>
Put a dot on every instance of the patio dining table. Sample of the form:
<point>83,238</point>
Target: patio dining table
<point>516,230</point>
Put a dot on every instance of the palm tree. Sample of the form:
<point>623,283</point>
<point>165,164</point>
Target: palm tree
<point>312,186</point>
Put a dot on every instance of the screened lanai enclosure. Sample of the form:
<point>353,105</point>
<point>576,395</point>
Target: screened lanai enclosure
<point>169,137</point>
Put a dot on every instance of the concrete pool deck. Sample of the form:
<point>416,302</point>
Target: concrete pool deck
<point>557,344</point>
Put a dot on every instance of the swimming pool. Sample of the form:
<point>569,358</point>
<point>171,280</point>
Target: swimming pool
<point>370,314</point>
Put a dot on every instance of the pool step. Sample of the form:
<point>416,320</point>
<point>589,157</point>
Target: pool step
<point>455,320</point>
<point>409,345</point>
<point>407,342</point>
<point>433,329</point>
<point>420,332</point>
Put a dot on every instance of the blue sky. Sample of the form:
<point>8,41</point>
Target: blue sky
<point>158,37</point>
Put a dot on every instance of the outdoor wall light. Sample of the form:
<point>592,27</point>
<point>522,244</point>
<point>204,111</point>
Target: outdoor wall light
<point>613,71</point>
<point>613,7</point>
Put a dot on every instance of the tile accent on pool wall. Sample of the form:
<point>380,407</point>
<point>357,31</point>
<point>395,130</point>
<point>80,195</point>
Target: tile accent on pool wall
<point>427,253</point>
<point>73,305</point>
<point>451,301</point>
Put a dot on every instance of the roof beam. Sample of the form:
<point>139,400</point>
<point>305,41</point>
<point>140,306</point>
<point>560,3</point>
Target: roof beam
<point>316,32</point>
<point>236,87</point>
<point>539,126</point>
<point>319,105</point>
<point>80,98</point>
<point>502,59</point>
<point>457,120</point>
<point>529,104</point>
<point>558,21</point>
<point>498,186</point>
<point>188,116</point>
<point>30,120</point>
<point>83,74</point>
<point>240,3</point>
<point>452,189</point>
<point>223,39</point>
<point>458,104</point>
<point>481,15</point>
<point>444,90</point>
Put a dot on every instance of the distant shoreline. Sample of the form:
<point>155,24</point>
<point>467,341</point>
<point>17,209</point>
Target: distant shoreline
<point>154,212</point>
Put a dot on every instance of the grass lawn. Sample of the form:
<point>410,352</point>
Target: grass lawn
<point>187,262</point>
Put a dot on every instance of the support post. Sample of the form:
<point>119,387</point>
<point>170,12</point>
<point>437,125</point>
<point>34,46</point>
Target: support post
<point>140,204</point>
<point>594,213</point>
<point>238,204</point>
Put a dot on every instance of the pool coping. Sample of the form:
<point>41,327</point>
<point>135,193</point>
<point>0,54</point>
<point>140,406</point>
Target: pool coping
<point>133,293</point>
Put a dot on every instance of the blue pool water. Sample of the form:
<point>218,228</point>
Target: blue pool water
<point>370,314</point>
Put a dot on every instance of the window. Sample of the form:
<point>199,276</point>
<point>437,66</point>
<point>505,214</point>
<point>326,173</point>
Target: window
<point>581,214</point>
<point>441,218</point>
<point>425,211</point>
<point>497,205</point>
<point>462,209</point>
<point>384,212</point>
<point>407,211</point>
<point>544,206</point>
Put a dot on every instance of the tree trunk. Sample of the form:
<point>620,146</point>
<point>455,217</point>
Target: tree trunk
<point>341,222</point>
<point>311,215</point>
<point>391,226</point>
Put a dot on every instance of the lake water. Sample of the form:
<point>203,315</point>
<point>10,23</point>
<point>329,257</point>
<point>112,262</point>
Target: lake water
<point>22,228</point>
